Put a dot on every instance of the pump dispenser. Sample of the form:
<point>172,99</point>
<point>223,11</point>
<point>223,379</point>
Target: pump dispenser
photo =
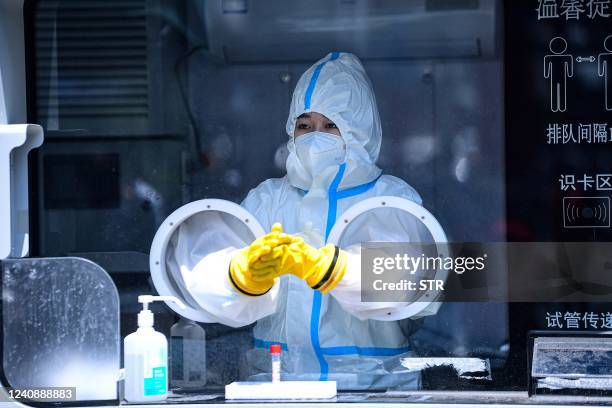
<point>146,356</point>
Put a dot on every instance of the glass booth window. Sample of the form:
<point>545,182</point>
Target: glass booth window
<point>150,105</point>
<point>297,111</point>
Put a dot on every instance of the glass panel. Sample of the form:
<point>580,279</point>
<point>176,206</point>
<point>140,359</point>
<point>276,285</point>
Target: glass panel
<point>60,321</point>
<point>148,105</point>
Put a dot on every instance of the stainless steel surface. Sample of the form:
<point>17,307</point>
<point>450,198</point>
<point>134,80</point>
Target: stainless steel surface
<point>409,399</point>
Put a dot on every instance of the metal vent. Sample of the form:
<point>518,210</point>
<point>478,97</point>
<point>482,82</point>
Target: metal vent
<point>91,64</point>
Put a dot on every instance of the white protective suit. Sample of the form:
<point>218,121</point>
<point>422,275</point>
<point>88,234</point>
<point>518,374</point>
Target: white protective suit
<point>330,336</point>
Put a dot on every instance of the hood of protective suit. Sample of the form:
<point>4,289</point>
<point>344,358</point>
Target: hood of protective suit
<point>338,87</point>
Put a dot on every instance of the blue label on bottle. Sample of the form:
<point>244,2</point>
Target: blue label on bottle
<point>156,384</point>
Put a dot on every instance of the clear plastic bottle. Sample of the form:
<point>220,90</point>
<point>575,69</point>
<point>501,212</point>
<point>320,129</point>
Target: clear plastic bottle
<point>275,354</point>
<point>187,355</point>
<point>146,357</point>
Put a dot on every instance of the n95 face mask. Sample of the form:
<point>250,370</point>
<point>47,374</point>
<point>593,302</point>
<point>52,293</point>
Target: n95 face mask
<point>319,150</point>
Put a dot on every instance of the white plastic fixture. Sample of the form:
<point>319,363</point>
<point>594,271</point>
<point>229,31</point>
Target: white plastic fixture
<point>157,258</point>
<point>420,213</point>
<point>282,390</point>
<point>16,141</point>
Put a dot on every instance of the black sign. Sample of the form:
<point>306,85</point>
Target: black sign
<point>558,69</point>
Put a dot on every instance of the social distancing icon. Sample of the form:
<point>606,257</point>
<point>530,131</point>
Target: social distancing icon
<point>604,64</point>
<point>559,68</point>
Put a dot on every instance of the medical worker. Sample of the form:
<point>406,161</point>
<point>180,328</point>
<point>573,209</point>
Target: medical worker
<point>303,293</point>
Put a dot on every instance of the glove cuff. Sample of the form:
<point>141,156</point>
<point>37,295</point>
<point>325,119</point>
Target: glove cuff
<point>334,273</point>
<point>238,281</point>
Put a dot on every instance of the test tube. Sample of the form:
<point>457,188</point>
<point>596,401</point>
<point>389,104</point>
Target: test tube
<point>275,353</point>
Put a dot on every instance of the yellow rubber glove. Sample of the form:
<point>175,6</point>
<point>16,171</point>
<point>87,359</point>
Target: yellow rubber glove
<point>321,268</point>
<point>241,265</point>
<point>274,263</point>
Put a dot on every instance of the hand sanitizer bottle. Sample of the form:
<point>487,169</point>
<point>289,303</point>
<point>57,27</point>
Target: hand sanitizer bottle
<point>146,357</point>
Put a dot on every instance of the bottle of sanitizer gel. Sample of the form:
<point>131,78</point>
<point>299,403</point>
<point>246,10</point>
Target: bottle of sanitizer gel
<point>146,357</point>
